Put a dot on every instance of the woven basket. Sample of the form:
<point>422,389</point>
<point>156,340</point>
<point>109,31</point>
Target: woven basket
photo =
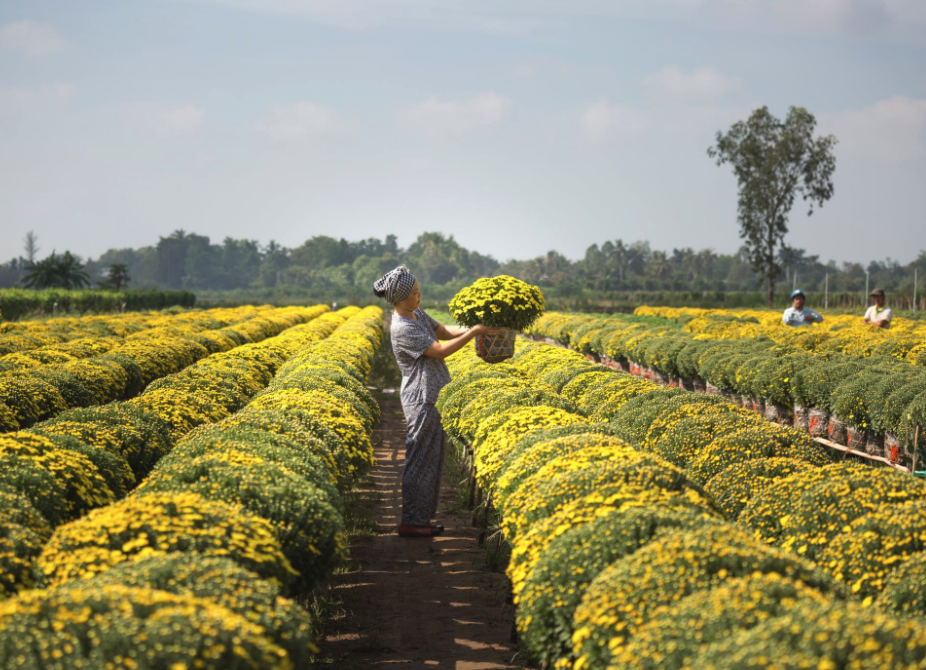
<point>496,348</point>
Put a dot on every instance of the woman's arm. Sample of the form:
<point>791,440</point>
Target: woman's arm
<point>450,332</point>
<point>445,349</point>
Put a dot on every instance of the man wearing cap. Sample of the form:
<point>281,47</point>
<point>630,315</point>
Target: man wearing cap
<point>796,315</point>
<point>878,315</point>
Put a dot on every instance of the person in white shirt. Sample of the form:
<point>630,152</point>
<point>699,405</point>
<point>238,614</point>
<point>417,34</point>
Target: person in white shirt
<point>796,315</point>
<point>878,315</point>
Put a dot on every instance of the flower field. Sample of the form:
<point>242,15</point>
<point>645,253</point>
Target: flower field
<point>47,367</point>
<point>859,386</point>
<point>654,527</point>
<point>171,515</point>
<point>172,529</point>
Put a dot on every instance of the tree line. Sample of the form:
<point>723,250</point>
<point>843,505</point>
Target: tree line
<point>325,265</point>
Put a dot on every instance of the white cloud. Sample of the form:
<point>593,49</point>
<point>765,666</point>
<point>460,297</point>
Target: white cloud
<point>18,99</point>
<point>700,84</point>
<point>299,121</point>
<point>603,122</point>
<point>166,122</point>
<point>452,119</point>
<point>30,38</point>
<point>889,131</point>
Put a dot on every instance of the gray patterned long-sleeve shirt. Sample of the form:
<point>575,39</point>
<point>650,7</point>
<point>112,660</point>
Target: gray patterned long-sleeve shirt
<point>422,377</point>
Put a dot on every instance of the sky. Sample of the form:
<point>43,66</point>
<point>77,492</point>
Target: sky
<point>518,126</point>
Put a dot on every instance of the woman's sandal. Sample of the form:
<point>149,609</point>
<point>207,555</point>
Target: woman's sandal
<point>420,531</point>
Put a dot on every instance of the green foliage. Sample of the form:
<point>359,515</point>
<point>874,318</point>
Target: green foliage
<point>155,629</point>
<point>23,531</point>
<point>679,634</point>
<point>65,272</point>
<point>225,583</point>
<point>733,488</point>
<point>839,635</point>
<point>773,162</point>
<point>573,560</point>
<point>310,530</point>
<point>673,565</point>
<point>17,303</point>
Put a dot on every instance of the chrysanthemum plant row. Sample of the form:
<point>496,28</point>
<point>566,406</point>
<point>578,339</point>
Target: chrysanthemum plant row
<point>652,527</point>
<point>47,367</point>
<point>868,397</point>
<point>217,499</point>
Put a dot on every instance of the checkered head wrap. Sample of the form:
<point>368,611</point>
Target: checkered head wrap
<point>395,286</point>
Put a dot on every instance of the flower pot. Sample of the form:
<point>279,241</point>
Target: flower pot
<point>496,348</point>
<point>698,386</point>
<point>801,418</point>
<point>710,389</point>
<point>894,449</point>
<point>836,431</point>
<point>891,441</point>
<point>874,445</point>
<point>660,378</point>
<point>856,438</point>
<point>779,414</point>
<point>758,406</point>
<point>818,422</point>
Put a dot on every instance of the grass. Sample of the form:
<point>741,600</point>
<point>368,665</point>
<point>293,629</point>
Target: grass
<point>442,316</point>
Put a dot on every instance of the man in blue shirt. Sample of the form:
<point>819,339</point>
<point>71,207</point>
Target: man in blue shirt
<point>796,315</point>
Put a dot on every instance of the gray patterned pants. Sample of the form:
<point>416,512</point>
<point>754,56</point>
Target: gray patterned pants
<point>424,459</point>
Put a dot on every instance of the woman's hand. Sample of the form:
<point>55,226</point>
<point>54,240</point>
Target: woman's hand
<point>483,329</point>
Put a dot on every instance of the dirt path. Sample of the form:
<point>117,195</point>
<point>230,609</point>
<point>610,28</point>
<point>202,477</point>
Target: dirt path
<point>415,602</point>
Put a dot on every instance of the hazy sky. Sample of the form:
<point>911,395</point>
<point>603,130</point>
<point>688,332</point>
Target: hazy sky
<point>519,126</point>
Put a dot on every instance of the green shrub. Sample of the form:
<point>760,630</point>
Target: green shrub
<point>61,629</point>
<point>310,530</point>
<point>672,566</point>
<point>804,512</point>
<point>228,585</point>
<point>759,440</point>
<point>571,562</point>
<point>676,636</point>
<point>21,475</point>
<point>837,635</point>
<point>733,488</point>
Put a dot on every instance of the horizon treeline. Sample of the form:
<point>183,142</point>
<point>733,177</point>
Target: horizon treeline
<point>324,265</point>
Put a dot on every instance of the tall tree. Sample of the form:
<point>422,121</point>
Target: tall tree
<point>774,161</point>
<point>31,246</point>
<point>117,277</point>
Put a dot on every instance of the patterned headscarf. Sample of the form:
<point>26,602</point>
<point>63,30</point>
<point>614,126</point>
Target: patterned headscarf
<point>395,286</point>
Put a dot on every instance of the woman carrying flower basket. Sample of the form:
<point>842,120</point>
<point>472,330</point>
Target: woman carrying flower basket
<point>420,355</point>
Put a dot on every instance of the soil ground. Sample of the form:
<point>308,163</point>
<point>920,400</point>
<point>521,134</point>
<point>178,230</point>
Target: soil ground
<point>415,602</point>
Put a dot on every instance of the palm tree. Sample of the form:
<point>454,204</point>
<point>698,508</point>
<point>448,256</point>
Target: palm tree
<point>659,265</point>
<point>65,271</point>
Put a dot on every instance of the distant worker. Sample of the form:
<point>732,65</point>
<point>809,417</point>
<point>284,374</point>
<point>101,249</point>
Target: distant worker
<point>796,315</point>
<point>878,315</point>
